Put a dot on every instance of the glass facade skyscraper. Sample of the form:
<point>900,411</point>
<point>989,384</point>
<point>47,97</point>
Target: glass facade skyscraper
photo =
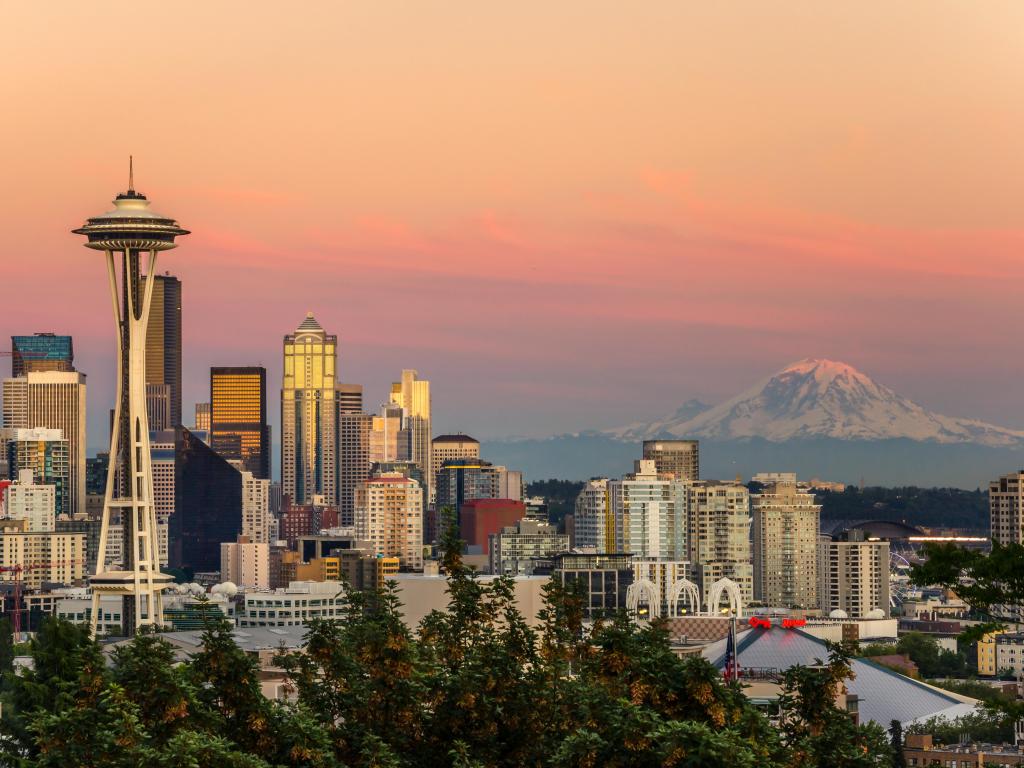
<point>308,414</point>
<point>238,417</point>
<point>41,352</point>
<point>163,341</point>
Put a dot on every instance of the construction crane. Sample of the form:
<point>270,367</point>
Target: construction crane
<point>17,571</point>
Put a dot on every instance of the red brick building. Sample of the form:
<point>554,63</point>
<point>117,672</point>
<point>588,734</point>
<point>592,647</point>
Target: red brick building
<point>482,517</point>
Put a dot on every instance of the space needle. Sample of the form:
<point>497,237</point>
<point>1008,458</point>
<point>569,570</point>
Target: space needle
<point>129,235</point>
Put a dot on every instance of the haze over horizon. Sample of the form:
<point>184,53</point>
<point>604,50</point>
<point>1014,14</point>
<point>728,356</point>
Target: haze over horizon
<point>662,204</point>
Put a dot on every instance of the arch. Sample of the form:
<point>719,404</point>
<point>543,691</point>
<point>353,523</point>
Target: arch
<point>732,591</point>
<point>683,588</point>
<point>640,590</point>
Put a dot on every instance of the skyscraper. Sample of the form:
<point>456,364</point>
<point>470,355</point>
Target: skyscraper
<point>679,458</point>
<point>350,398</point>
<point>593,519</point>
<point>413,395</point>
<point>308,416</point>
<point>649,511</point>
<point>786,523</point>
<point>158,406</point>
<point>445,447</point>
<point>202,420</point>
<point>41,352</point>
<point>388,440</point>
<point>238,417</point>
<point>389,514</point>
<point>255,508</point>
<point>354,431</point>
<point>163,340</point>
<point>853,575</point>
<point>718,536</point>
<point>52,400</point>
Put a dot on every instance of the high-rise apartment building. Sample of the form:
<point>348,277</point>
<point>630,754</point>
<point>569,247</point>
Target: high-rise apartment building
<point>389,514</point>
<point>1006,508</point>
<point>163,341</point>
<point>245,563</point>
<point>53,400</point>
<point>238,417</point>
<point>353,451</point>
<point>718,539</point>
<point>202,419</point>
<point>29,501</point>
<point>679,458</point>
<point>592,517</point>
<point>46,455</point>
<point>163,455</point>
<point>62,553</point>
<point>853,576</point>
<point>41,352</point>
<point>412,394</point>
<point>649,511</point>
<point>446,447</point>
<point>786,531</point>
<point>255,508</point>
<point>308,414</point>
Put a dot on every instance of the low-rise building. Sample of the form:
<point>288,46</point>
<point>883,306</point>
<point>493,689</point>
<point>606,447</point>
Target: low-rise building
<point>920,749</point>
<point>298,603</point>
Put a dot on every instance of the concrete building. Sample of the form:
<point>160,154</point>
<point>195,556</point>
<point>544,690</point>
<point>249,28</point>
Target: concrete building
<point>412,395</point>
<point>514,550</point>
<point>202,417</point>
<point>387,436</point>
<point>604,578</point>
<point>41,352</point>
<point>163,340</point>
<point>448,447</point>
<point>158,407</point>
<point>462,480</point>
<point>649,513</point>
<point>354,430</point>
<point>853,576</point>
<point>33,503</point>
<point>46,454</point>
<point>255,509</point>
<point>422,593</point>
<point>238,417</point>
<point>389,515</point>
<point>678,458</point>
<point>161,449</point>
<point>308,415</point>
<point>786,531</point>
<point>294,605</point>
<point>245,563</point>
<point>52,400</point>
<point>482,518</point>
<point>1006,508</point>
<point>718,536</point>
<point>593,521</point>
<point>349,398</point>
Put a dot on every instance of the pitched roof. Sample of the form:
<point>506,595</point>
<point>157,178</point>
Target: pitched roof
<point>884,695</point>
<point>309,324</point>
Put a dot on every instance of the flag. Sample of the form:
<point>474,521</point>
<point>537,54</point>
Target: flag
<point>732,661</point>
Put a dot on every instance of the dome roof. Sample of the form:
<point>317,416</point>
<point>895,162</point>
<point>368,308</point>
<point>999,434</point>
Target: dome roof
<point>838,613</point>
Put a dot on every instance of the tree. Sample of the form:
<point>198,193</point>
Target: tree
<point>899,760</point>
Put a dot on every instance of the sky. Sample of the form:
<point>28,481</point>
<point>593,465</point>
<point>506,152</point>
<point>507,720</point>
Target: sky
<point>565,215</point>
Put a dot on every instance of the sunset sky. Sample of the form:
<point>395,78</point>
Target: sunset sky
<point>566,215</point>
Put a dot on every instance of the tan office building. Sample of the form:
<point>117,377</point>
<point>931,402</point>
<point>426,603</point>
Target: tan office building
<point>679,458</point>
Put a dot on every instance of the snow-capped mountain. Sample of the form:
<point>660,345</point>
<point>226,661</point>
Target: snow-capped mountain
<point>821,398</point>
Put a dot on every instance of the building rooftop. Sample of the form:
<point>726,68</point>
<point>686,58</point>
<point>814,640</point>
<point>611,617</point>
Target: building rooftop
<point>309,324</point>
<point>884,695</point>
<point>459,438</point>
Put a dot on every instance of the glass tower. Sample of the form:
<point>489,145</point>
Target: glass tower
<point>163,341</point>
<point>41,352</point>
<point>308,414</point>
<point>238,417</point>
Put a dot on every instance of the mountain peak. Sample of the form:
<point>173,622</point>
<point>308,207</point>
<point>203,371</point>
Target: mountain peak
<point>815,398</point>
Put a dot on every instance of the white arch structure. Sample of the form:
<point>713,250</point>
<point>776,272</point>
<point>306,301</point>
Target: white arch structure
<point>731,589</point>
<point>683,588</point>
<point>638,591</point>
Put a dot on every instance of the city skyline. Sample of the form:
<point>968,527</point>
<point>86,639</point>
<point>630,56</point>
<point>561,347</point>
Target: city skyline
<point>590,197</point>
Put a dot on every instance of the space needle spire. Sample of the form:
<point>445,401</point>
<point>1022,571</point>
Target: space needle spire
<point>129,235</point>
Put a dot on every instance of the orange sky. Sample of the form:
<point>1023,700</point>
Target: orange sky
<point>586,212</point>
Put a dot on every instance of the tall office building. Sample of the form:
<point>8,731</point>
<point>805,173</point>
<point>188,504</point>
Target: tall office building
<point>388,439</point>
<point>679,458</point>
<point>207,504</point>
<point>308,415</point>
<point>718,536</point>
<point>389,515</point>
<point>44,453</point>
<point>354,431</point>
<point>53,400</point>
<point>349,398</point>
<point>238,417</point>
<point>412,394</point>
<point>462,480</point>
<point>163,340</point>
<point>162,452</point>
<point>592,517</point>
<point>202,419</point>
<point>158,407</point>
<point>649,511</point>
<point>41,352</point>
<point>853,575</point>
<point>1006,508</point>
<point>445,447</point>
<point>786,530</point>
